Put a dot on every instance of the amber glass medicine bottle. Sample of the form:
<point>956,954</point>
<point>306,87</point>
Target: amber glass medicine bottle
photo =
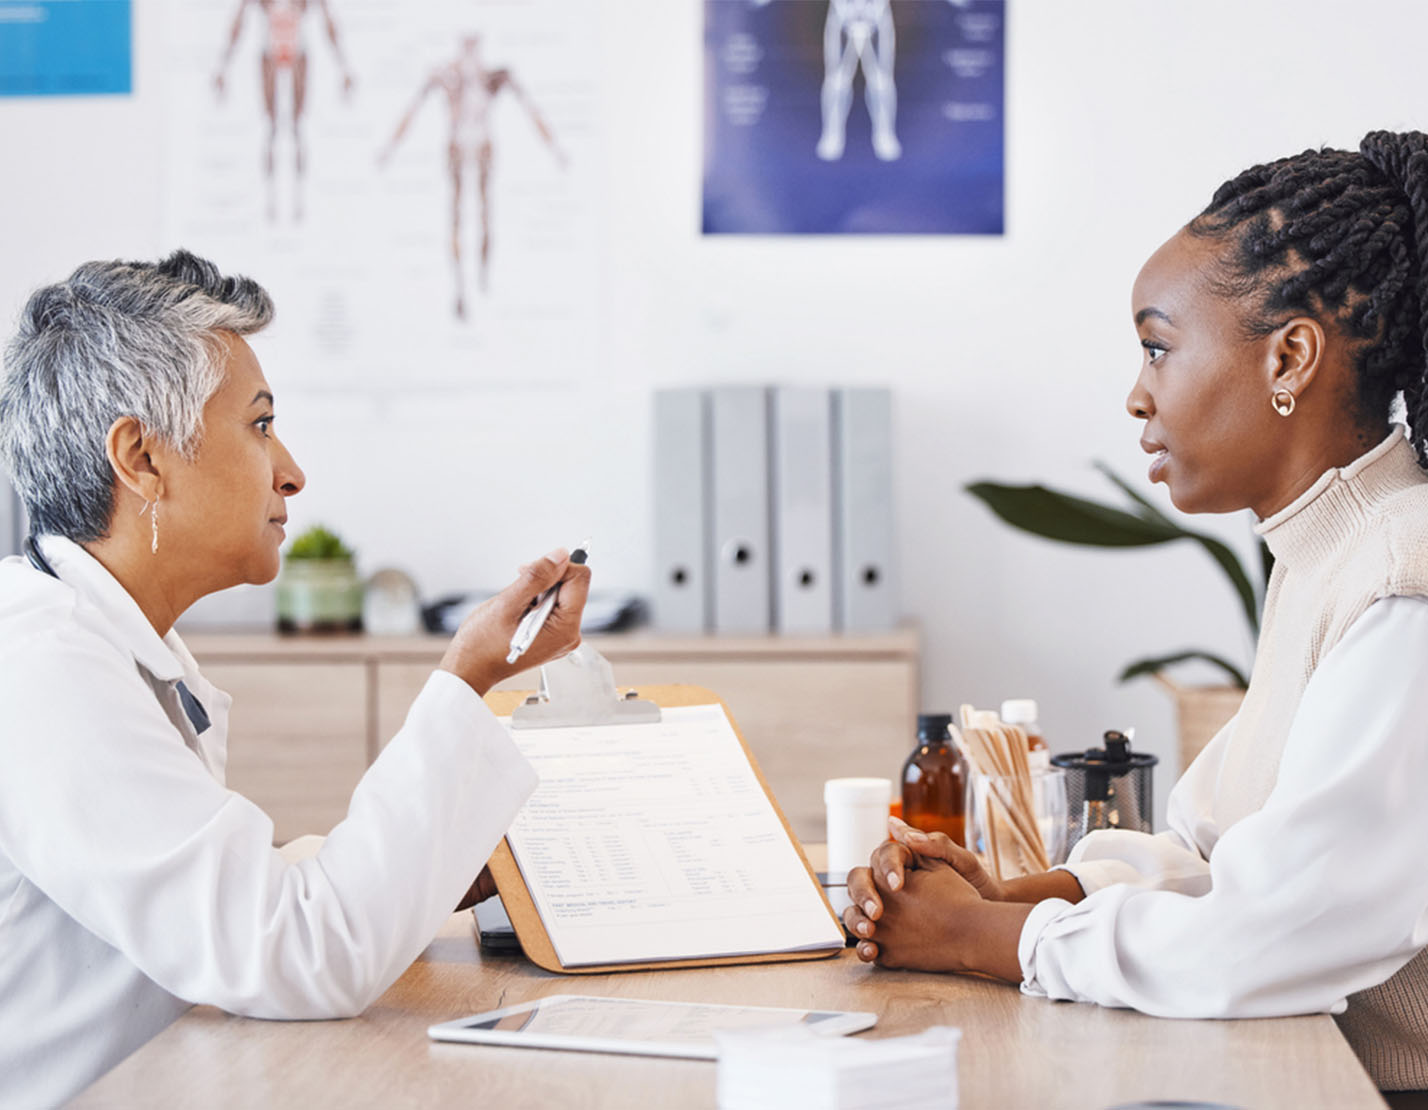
<point>934,780</point>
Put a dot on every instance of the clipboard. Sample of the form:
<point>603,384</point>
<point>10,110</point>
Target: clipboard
<point>588,690</point>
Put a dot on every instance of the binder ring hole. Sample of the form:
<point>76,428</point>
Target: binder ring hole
<point>679,576</point>
<point>870,576</point>
<point>805,579</point>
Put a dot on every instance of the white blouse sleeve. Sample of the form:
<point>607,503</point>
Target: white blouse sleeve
<point>106,811</point>
<point>1319,894</point>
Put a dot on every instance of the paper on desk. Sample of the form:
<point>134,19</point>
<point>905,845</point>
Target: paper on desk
<point>773,1068</point>
<point>656,842</point>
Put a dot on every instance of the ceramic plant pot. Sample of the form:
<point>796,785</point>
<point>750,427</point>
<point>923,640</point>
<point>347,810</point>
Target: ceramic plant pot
<point>319,595</point>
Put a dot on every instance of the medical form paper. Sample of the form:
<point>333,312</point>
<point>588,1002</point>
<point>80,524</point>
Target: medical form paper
<point>652,842</point>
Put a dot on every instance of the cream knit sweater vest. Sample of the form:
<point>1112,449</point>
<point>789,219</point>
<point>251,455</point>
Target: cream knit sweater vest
<point>1357,535</point>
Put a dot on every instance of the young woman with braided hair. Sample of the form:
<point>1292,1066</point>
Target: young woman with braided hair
<point>1279,327</point>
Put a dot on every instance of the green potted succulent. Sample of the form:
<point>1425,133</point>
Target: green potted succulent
<point>1056,515</point>
<point>318,588</point>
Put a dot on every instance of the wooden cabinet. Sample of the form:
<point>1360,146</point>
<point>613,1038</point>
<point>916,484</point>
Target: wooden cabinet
<point>309,714</point>
<point>297,737</point>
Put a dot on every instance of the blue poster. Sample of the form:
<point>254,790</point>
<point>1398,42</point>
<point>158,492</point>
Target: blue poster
<point>854,116</point>
<point>65,47</point>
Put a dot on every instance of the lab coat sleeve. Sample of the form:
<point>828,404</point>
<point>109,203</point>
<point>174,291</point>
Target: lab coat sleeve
<point>1177,859</point>
<point>105,810</point>
<point>1319,894</point>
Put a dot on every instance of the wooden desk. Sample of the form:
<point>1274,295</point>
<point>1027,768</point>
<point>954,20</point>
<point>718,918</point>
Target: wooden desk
<point>1016,1052</point>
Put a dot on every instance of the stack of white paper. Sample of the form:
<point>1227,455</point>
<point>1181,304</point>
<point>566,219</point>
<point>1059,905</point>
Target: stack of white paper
<point>797,1067</point>
<point>657,841</point>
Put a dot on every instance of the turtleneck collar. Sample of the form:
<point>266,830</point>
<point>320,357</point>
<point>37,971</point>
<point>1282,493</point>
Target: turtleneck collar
<point>1335,508</point>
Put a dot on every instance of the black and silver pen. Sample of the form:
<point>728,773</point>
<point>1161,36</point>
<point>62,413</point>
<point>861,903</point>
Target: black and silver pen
<point>531,624</point>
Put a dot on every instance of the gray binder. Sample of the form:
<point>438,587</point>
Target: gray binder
<point>864,594</point>
<point>681,510</point>
<point>802,457</point>
<point>740,540</point>
<point>12,518</point>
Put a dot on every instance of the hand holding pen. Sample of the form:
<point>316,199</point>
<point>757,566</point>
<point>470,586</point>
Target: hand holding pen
<point>479,650</point>
<point>540,609</point>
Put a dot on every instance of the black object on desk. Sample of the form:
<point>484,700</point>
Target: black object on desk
<point>605,611</point>
<point>834,886</point>
<point>494,930</point>
<point>1107,788</point>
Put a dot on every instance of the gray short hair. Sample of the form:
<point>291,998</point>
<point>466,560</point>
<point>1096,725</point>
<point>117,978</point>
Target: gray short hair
<point>115,339</point>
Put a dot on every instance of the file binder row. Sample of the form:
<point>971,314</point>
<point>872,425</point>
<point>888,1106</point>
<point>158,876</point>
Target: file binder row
<point>773,510</point>
<point>12,519</point>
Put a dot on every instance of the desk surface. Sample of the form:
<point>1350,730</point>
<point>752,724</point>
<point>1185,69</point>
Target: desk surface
<point>1016,1052</point>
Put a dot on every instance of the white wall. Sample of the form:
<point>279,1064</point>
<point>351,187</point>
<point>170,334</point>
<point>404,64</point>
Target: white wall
<point>1010,356</point>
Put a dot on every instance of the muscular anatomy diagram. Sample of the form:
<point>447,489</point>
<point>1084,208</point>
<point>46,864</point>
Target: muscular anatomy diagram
<point>859,34</point>
<point>284,65</point>
<point>471,90</point>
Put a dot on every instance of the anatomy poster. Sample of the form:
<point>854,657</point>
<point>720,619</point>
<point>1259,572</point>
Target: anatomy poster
<point>414,183</point>
<point>854,116</point>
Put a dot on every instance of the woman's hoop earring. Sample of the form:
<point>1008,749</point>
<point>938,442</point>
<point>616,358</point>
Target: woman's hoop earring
<point>1283,402</point>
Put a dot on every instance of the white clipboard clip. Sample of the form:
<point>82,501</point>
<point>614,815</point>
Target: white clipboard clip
<point>579,689</point>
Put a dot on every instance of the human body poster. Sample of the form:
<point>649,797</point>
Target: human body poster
<point>854,116</point>
<point>415,183</point>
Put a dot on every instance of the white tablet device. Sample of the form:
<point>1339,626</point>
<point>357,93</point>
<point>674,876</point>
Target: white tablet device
<point>587,1024</point>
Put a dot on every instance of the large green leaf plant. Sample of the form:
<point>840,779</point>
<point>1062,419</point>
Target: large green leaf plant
<point>1056,515</point>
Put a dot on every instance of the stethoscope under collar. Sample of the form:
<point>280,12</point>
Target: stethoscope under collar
<point>37,559</point>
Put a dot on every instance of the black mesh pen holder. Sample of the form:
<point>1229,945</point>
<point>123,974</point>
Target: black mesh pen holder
<point>1107,788</point>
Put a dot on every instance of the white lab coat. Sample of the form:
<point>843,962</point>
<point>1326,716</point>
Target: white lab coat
<point>133,883</point>
<point>1321,893</point>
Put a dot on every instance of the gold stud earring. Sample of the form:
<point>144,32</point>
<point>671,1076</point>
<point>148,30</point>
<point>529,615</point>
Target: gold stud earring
<point>1283,402</point>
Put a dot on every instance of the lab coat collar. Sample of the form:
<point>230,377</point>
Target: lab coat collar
<point>163,657</point>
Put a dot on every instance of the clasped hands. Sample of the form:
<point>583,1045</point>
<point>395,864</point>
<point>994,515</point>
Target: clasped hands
<point>925,902</point>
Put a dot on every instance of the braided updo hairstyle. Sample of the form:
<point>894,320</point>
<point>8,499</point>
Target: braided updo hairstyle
<point>1343,237</point>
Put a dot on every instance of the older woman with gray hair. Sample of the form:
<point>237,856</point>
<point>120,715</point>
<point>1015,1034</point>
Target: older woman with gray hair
<point>138,428</point>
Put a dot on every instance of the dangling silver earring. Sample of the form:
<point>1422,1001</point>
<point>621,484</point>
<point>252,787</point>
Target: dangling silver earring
<point>154,521</point>
<point>1283,402</point>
